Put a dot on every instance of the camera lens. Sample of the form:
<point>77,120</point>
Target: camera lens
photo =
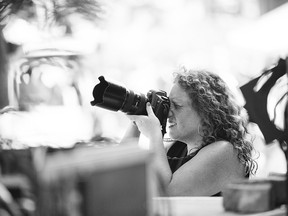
<point>114,97</point>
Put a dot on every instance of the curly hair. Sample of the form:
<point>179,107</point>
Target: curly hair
<point>222,117</point>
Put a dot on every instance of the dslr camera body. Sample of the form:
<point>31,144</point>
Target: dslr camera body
<point>113,97</point>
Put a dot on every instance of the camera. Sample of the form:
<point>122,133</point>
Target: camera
<point>113,97</point>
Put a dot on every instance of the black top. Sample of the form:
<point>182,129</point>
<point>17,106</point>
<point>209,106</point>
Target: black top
<point>177,155</point>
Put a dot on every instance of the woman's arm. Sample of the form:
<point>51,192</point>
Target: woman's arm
<point>150,127</point>
<point>131,134</point>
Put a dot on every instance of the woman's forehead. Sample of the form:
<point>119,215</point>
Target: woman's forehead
<point>177,94</point>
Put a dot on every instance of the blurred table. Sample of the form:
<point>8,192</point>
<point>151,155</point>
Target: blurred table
<point>203,206</point>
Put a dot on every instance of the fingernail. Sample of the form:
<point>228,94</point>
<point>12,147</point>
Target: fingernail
<point>148,104</point>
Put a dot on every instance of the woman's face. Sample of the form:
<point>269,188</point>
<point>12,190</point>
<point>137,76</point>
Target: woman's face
<point>183,120</point>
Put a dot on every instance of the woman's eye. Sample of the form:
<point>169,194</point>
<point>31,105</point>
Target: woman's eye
<point>175,106</point>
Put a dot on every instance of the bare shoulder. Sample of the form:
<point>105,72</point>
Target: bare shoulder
<point>221,154</point>
<point>219,148</point>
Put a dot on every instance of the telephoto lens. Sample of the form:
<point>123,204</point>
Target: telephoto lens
<point>113,97</point>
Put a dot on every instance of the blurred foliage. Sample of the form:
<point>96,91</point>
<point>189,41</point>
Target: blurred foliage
<point>10,7</point>
<point>54,9</point>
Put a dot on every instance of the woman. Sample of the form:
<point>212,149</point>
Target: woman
<point>207,127</point>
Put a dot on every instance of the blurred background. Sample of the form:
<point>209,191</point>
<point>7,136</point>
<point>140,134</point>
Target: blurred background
<point>53,53</point>
<point>137,44</point>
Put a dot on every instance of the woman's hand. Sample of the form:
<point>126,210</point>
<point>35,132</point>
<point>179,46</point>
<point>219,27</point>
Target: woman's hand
<point>148,125</point>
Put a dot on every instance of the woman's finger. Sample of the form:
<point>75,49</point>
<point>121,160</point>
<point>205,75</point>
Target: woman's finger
<point>135,119</point>
<point>149,109</point>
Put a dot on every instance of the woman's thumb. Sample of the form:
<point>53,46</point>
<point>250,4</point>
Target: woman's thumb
<point>149,109</point>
